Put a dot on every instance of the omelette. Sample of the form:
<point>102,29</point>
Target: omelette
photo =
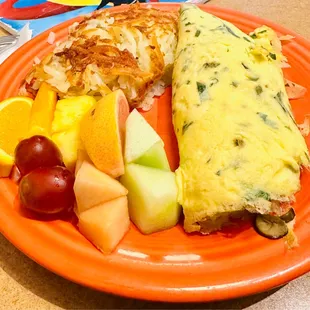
<point>240,148</point>
<point>130,49</point>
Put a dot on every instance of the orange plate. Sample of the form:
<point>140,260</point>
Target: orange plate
<point>171,265</point>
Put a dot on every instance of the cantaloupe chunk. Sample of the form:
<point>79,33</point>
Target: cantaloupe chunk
<point>81,157</point>
<point>93,187</point>
<point>106,224</point>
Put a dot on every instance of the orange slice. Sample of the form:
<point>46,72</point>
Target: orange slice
<point>14,119</point>
<point>42,112</point>
<point>102,133</point>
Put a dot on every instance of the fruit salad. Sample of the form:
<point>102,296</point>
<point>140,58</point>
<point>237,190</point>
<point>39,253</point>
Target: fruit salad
<point>89,157</point>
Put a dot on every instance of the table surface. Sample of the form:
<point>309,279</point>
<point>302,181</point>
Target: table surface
<point>26,285</point>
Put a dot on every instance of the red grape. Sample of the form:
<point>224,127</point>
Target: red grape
<point>35,152</point>
<point>47,190</point>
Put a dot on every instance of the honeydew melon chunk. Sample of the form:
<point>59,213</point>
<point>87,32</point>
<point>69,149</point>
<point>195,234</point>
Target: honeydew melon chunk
<point>155,157</point>
<point>140,137</point>
<point>152,198</point>
<point>106,224</point>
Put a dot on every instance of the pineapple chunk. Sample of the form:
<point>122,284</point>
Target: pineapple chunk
<point>70,111</point>
<point>68,143</point>
<point>6,164</point>
<point>106,224</point>
<point>66,126</point>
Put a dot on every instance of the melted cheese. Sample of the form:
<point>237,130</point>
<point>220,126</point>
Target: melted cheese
<point>239,145</point>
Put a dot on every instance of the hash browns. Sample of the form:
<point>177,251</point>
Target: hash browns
<point>131,49</point>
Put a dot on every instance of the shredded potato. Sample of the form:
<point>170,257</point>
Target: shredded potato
<point>129,50</point>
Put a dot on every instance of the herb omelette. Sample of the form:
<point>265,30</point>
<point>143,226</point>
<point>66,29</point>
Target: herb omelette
<point>240,148</point>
